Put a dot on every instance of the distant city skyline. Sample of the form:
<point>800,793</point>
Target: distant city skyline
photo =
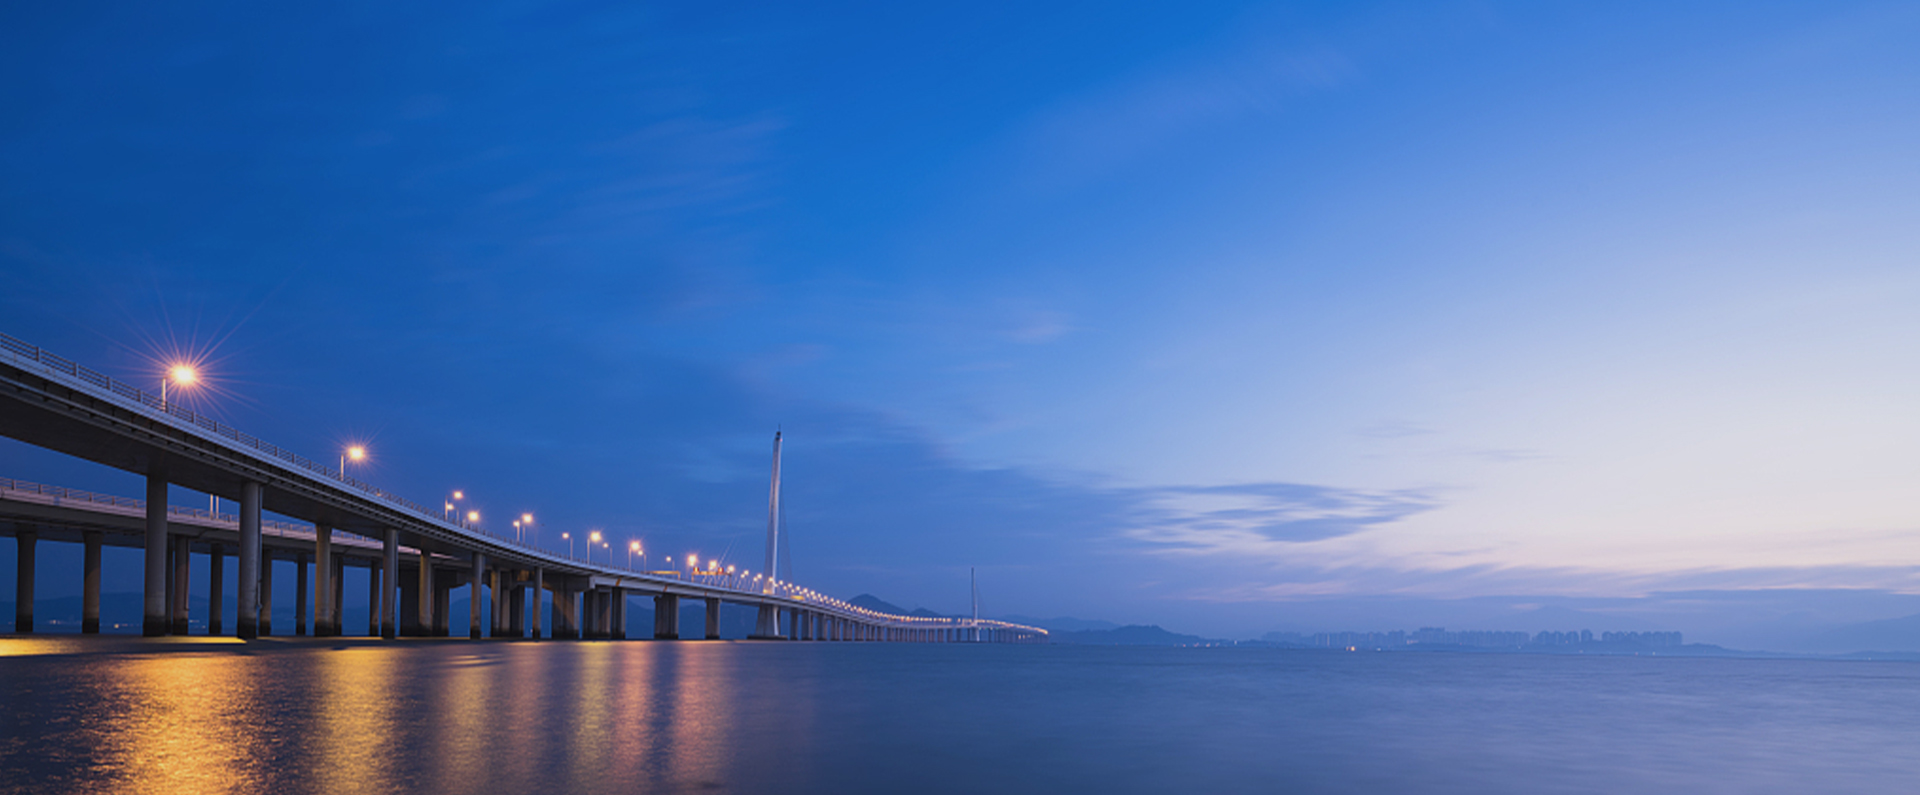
<point>1237,318</point>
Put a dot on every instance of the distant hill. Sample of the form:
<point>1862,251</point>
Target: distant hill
<point>871,602</point>
<point>1134,635</point>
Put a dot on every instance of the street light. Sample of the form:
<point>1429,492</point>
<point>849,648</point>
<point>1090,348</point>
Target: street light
<point>632,547</point>
<point>182,374</point>
<point>592,538</point>
<point>569,539</point>
<point>354,453</point>
<point>526,522</point>
<point>473,517</point>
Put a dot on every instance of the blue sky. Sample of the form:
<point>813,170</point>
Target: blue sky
<point>1230,317</point>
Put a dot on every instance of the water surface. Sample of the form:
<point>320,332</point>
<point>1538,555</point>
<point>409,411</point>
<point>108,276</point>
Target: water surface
<point>133,716</point>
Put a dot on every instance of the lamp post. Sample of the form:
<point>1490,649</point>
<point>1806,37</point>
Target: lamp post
<point>354,453</point>
<point>526,522</point>
<point>592,538</point>
<point>569,539</point>
<point>473,518</point>
<point>632,547</point>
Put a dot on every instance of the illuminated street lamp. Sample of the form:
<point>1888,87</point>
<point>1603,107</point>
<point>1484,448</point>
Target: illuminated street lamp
<point>568,537</point>
<point>525,524</point>
<point>473,517</point>
<point>354,453</point>
<point>592,538</point>
<point>182,374</point>
<point>634,547</point>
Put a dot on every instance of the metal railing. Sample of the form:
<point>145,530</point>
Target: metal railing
<point>21,350</point>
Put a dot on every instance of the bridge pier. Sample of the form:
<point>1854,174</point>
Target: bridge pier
<point>90,585</point>
<point>250,499</point>
<point>216,588</point>
<point>518,610</point>
<point>266,593</point>
<point>539,595</point>
<point>476,599</point>
<point>24,542</point>
<point>563,626</point>
<point>442,606</point>
<point>607,601</point>
<point>713,618</point>
<point>590,614</point>
<point>336,625</point>
<point>619,614</point>
<point>766,625</point>
<point>666,617</point>
<point>390,571</point>
<point>182,567</point>
<point>325,624</point>
<point>425,625</point>
<point>500,603</point>
<point>300,594</point>
<point>154,591</point>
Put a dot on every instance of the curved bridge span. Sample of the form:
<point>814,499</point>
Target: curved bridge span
<point>416,557</point>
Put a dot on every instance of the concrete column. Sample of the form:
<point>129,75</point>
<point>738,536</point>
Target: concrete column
<point>497,581</point>
<point>216,590</point>
<point>442,608</point>
<point>666,617</point>
<point>593,606</point>
<point>586,615</point>
<point>619,614</point>
<point>713,618</point>
<point>558,615</point>
<point>477,600</point>
<point>251,495</point>
<point>155,590</point>
<point>539,595</point>
<point>24,541</point>
<point>607,609</point>
<point>408,605</point>
<point>182,567</point>
<point>767,623</point>
<point>335,625</point>
<point>573,614</point>
<point>266,593</point>
<point>427,624</point>
<point>390,568</point>
<point>326,623</point>
<point>300,594</point>
<point>517,611</point>
<point>90,585</point>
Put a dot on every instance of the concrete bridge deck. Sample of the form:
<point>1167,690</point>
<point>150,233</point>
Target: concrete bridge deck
<point>416,555</point>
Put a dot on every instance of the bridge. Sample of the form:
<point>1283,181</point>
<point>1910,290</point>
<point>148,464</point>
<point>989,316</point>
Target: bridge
<point>415,557</point>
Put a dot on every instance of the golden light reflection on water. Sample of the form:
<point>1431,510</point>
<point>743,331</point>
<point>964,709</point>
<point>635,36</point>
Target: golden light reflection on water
<point>308,716</point>
<point>354,714</point>
<point>184,723</point>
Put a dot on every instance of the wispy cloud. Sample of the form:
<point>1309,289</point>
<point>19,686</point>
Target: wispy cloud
<point>1243,517</point>
<point>1105,129</point>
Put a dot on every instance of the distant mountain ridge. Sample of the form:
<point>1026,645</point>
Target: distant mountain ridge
<point>1134,635</point>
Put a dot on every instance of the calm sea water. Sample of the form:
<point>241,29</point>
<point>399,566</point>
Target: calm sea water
<point>127,716</point>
